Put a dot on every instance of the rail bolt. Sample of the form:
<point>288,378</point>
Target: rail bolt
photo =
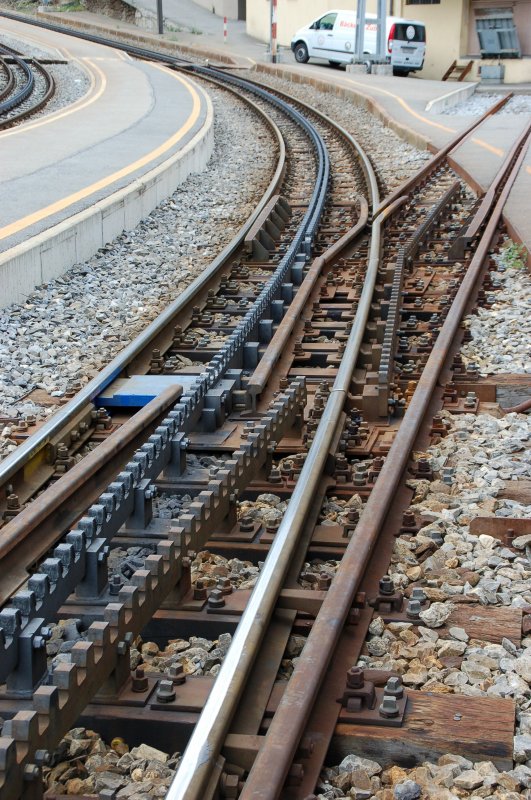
<point>386,585</point>
<point>224,585</point>
<point>177,674</point>
<point>389,707</point>
<point>394,688</point>
<point>139,681</point>
<point>216,599</point>
<point>418,594</point>
<point>199,591</point>
<point>324,582</point>
<point>413,609</point>
<point>165,692</point>
<point>115,585</point>
<point>355,678</point>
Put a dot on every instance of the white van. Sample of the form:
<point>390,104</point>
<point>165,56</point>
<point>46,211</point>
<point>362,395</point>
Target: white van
<point>333,36</point>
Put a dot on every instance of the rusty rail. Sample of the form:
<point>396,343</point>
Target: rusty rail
<point>258,380</point>
<point>274,759</point>
<point>405,187</point>
<point>472,230</point>
<point>205,743</point>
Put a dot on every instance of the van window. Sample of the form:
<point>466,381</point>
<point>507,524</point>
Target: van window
<point>409,32</point>
<point>326,23</point>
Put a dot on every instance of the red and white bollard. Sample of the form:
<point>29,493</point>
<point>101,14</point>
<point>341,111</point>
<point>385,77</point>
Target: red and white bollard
<point>225,30</point>
<point>274,31</point>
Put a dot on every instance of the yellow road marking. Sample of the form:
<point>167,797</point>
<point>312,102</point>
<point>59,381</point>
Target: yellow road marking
<point>489,147</point>
<point>95,73</point>
<point>60,205</point>
<point>406,106</point>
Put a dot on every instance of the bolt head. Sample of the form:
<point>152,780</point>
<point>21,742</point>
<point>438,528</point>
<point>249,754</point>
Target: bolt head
<point>389,707</point>
<point>413,609</point>
<point>165,692</point>
<point>355,678</point>
<point>386,585</point>
<point>394,687</point>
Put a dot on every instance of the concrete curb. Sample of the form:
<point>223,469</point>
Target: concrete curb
<point>451,98</point>
<point>51,253</point>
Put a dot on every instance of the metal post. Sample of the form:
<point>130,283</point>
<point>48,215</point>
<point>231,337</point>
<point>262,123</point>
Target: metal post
<point>273,39</point>
<point>224,30</point>
<point>360,29</point>
<point>160,18</point>
<point>381,32</point>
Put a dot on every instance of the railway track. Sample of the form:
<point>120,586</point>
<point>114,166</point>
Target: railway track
<point>26,88</point>
<point>322,346</point>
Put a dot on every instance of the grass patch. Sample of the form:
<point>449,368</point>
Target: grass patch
<point>514,256</point>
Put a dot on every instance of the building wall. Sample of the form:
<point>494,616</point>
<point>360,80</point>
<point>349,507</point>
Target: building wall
<point>223,8</point>
<point>451,35</point>
<point>444,25</point>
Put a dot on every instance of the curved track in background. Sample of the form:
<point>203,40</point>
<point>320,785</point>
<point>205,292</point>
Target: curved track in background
<point>27,100</point>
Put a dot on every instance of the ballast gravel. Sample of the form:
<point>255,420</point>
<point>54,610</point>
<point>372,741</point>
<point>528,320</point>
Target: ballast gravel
<point>83,764</point>
<point>393,159</point>
<point>501,332</point>
<point>449,778</point>
<point>482,468</point>
<point>70,328</point>
<point>71,82</point>
<point>479,103</point>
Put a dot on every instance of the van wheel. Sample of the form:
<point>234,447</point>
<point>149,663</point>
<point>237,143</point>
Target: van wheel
<point>301,53</point>
<point>400,73</point>
<point>335,64</point>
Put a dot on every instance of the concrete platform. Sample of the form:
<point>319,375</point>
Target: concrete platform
<point>72,180</point>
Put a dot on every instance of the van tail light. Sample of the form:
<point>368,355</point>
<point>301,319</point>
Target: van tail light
<point>390,39</point>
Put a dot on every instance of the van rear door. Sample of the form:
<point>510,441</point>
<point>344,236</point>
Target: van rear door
<point>407,44</point>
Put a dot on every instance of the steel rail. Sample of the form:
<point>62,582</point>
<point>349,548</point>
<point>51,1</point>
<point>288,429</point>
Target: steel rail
<point>258,380</point>
<point>27,88</point>
<point>28,112</point>
<point>53,513</point>
<point>261,374</point>
<point>271,766</point>
<point>365,163</point>
<point>207,739</point>
<point>10,79</point>
<point>409,184</point>
<point>24,452</point>
<point>486,203</point>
